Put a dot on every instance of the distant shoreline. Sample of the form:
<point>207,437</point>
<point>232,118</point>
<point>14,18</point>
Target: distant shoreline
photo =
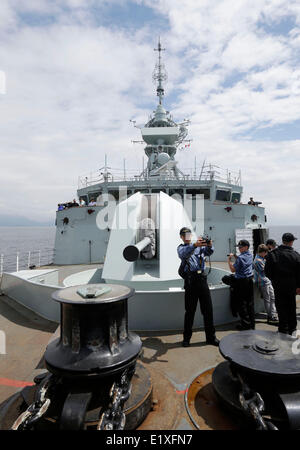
<point>28,225</point>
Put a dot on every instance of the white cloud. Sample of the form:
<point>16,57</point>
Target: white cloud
<point>228,40</point>
<point>7,16</point>
<point>72,86</point>
<point>247,50</point>
<point>67,104</point>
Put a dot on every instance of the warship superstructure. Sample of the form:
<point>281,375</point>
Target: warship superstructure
<point>225,219</point>
<point>127,232</point>
<point>132,226</point>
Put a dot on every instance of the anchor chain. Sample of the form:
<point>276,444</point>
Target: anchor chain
<point>38,409</point>
<point>113,418</point>
<point>254,405</point>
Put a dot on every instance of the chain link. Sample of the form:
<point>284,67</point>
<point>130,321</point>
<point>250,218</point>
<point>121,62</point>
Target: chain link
<point>37,409</point>
<point>254,405</point>
<point>113,418</point>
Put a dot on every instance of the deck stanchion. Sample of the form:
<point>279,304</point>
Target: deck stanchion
<point>1,264</point>
<point>17,267</point>
<point>39,258</point>
<point>29,255</point>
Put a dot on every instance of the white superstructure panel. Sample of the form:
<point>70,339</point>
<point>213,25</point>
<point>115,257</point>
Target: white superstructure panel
<point>169,135</point>
<point>173,217</point>
<point>123,233</point>
<point>246,234</point>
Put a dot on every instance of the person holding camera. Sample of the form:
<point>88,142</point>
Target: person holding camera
<point>243,285</point>
<point>195,284</point>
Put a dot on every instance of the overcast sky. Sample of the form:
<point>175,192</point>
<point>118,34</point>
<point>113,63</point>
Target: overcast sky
<point>73,72</point>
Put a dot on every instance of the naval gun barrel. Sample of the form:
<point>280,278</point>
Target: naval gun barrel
<point>131,252</point>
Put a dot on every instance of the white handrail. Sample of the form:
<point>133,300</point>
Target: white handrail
<point>207,172</point>
<point>24,260</point>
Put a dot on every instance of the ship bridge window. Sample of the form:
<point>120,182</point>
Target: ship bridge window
<point>142,191</point>
<point>94,195</point>
<point>115,193</point>
<point>84,197</point>
<point>177,192</point>
<point>156,191</point>
<point>204,192</point>
<point>223,195</point>
<point>235,197</point>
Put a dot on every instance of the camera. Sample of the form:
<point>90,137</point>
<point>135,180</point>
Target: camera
<point>206,239</point>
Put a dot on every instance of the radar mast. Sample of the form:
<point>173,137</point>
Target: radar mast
<point>160,74</point>
<point>161,134</point>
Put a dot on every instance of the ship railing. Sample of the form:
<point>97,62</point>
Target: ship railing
<point>102,177</point>
<point>24,260</point>
<point>204,173</point>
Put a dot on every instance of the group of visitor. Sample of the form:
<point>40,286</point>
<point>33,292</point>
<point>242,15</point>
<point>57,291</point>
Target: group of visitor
<point>74,203</point>
<point>276,272</point>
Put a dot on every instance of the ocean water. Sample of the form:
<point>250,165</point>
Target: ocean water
<point>277,232</point>
<point>39,241</point>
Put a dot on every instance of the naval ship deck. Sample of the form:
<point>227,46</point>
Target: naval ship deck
<point>171,366</point>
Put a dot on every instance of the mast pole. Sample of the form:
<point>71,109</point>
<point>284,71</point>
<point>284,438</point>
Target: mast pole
<point>159,74</point>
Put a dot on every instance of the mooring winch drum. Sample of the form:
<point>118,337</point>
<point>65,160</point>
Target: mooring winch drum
<point>94,336</point>
<point>91,379</point>
<point>261,378</point>
<point>261,352</point>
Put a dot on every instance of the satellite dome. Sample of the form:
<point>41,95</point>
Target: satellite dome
<point>163,158</point>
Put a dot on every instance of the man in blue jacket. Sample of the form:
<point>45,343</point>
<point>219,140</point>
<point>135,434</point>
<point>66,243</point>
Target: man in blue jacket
<point>243,273</point>
<point>195,284</point>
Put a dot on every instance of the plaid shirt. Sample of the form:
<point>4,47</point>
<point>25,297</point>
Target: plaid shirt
<point>259,271</point>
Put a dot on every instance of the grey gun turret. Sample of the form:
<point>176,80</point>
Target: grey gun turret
<point>131,252</point>
<point>146,244</point>
<point>145,249</point>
